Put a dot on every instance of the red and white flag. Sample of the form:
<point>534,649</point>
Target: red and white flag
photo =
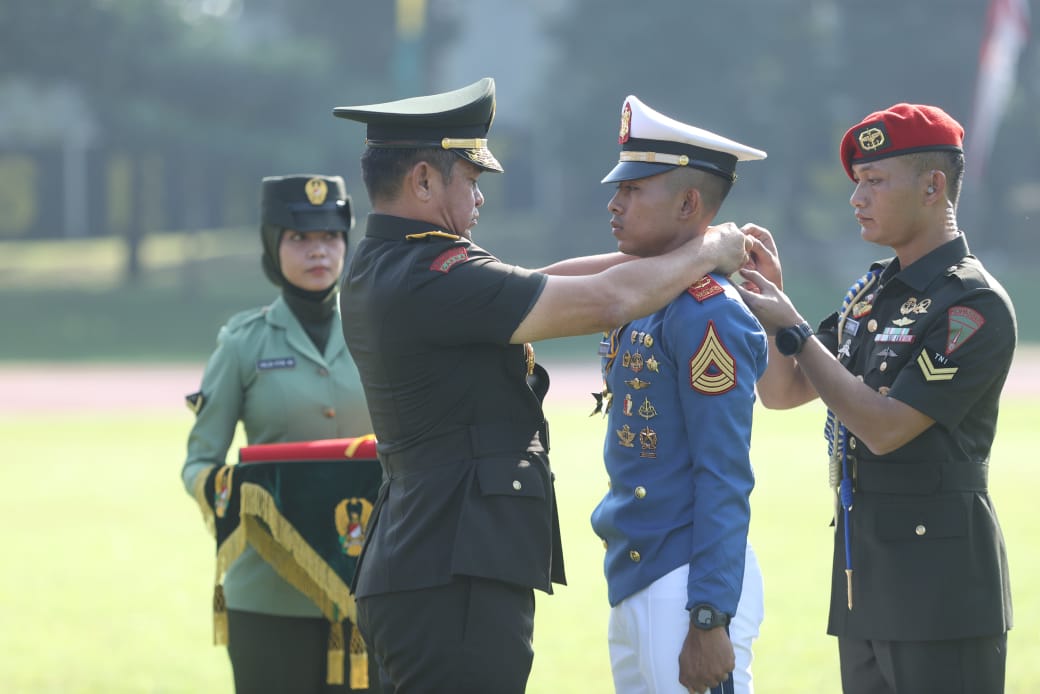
<point>1007,30</point>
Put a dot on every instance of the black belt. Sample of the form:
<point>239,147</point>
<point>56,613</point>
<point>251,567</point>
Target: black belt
<point>464,443</point>
<point>920,478</point>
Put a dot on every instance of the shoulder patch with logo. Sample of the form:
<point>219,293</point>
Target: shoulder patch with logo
<point>449,259</point>
<point>195,401</point>
<point>936,366</point>
<point>713,370</point>
<point>962,323</point>
<point>705,288</point>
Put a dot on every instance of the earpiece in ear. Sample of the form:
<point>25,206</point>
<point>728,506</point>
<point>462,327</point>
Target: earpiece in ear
<point>931,189</point>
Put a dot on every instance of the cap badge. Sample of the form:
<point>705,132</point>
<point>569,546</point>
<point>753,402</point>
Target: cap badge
<point>873,138</point>
<point>626,124</point>
<point>317,191</point>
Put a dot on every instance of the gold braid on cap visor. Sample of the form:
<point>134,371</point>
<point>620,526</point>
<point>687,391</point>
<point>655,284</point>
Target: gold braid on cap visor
<point>462,143</point>
<point>655,158</point>
<point>673,160</point>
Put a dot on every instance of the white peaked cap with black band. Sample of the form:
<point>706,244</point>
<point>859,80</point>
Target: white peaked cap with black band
<point>652,143</point>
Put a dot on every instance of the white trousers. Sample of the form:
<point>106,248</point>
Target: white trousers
<point>646,632</point>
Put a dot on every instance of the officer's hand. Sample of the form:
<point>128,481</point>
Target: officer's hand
<point>727,245</point>
<point>770,305</point>
<point>706,659</point>
<point>762,257</point>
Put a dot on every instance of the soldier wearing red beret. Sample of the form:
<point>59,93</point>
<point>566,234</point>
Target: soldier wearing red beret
<point>911,369</point>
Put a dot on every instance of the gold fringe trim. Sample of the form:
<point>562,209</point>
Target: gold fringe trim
<point>334,655</point>
<point>284,548</point>
<point>358,660</point>
<point>227,553</point>
<point>220,617</point>
<point>198,492</point>
<point>278,542</point>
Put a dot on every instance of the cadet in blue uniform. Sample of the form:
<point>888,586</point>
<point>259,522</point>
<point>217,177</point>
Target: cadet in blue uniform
<point>911,367</point>
<point>283,370</point>
<point>680,390</point>
<point>465,527</point>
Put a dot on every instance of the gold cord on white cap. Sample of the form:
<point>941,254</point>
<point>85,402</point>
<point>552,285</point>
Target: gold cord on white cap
<point>655,158</point>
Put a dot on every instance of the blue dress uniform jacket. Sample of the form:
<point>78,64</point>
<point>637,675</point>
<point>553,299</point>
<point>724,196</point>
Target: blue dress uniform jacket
<point>928,555</point>
<point>428,317</point>
<point>682,385</point>
<point>267,373</point>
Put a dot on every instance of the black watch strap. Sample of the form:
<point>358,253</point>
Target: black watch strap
<point>789,341</point>
<point>706,617</point>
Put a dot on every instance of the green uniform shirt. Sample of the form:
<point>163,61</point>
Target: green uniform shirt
<point>268,374</point>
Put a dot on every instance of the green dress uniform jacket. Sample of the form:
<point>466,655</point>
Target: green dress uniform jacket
<point>456,411</point>
<point>928,555</point>
<point>267,373</point>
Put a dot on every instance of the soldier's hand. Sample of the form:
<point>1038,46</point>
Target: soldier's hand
<point>762,257</point>
<point>706,659</point>
<point>728,246</point>
<point>769,304</point>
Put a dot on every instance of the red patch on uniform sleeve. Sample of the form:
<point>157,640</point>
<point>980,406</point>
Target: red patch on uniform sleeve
<point>962,323</point>
<point>449,259</point>
<point>705,288</point>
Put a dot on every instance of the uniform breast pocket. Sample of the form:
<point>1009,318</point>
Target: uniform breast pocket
<point>921,520</point>
<point>512,477</point>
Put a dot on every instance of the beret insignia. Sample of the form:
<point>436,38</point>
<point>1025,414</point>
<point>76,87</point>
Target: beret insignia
<point>873,137</point>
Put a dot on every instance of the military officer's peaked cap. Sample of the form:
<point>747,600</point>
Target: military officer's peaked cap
<point>652,143</point>
<point>458,121</point>
<point>306,202</point>
<point>900,129</point>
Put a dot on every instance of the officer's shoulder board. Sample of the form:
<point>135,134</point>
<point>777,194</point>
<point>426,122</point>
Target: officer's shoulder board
<point>705,288</point>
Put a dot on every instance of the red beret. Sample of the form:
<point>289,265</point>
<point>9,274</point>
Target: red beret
<point>901,129</point>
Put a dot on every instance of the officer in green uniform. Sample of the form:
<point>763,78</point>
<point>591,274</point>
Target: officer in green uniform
<point>912,368</point>
<point>284,371</point>
<point>465,527</point>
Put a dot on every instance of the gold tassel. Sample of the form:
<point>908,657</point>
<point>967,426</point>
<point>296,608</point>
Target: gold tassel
<point>358,661</point>
<point>334,655</point>
<point>220,617</point>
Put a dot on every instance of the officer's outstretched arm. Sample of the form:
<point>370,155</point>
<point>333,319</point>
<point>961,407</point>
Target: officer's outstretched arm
<point>585,304</point>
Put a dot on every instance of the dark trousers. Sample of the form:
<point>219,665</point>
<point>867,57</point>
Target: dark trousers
<point>470,636</point>
<point>956,666</point>
<point>286,655</point>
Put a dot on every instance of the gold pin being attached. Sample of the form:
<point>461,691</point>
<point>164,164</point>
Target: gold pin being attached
<point>529,357</point>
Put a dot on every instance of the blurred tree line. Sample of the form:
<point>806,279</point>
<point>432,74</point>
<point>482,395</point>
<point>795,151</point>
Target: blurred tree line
<point>171,110</point>
<point>789,77</point>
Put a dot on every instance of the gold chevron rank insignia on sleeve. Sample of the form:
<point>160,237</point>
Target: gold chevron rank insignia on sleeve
<point>712,369</point>
<point>936,366</point>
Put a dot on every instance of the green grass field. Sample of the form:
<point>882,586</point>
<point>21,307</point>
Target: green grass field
<point>107,582</point>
